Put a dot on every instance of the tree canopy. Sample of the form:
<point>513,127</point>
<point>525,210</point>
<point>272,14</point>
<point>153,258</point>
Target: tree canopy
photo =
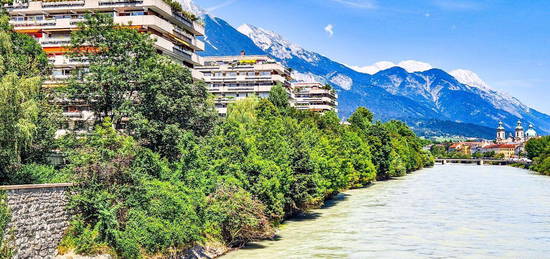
<point>26,118</point>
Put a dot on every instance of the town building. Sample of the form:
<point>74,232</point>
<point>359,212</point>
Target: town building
<point>507,151</point>
<point>231,78</point>
<point>517,140</point>
<point>314,97</point>
<point>461,148</point>
<point>50,22</point>
<point>519,136</point>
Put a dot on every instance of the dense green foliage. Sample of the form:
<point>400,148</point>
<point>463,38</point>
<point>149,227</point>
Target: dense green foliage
<point>161,173</point>
<point>127,79</point>
<point>538,149</point>
<point>27,121</point>
<point>255,169</point>
<point>6,251</point>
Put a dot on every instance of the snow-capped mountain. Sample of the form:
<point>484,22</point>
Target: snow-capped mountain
<point>190,6</point>
<point>411,90</point>
<point>409,65</point>
<point>470,78</point>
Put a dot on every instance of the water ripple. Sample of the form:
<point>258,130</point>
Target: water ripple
<point>454,211</point>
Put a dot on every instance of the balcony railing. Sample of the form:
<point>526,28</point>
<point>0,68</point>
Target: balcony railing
<point>183,52</point>
<point>57,4</point>
<point>119,2</point>
<point>19,24</point>
<point>16,6</point>
<point>55,42</point>
<point>183,34</point>
<point>183,19</point>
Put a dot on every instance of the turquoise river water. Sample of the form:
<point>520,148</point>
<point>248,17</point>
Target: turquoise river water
<point>450,211</point>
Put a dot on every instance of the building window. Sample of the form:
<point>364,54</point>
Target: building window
<point>137,13</point>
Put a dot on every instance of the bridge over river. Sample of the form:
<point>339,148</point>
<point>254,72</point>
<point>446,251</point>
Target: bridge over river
<point>480,161</point>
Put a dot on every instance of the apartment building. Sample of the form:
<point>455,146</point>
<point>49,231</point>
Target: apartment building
<point>231,78</point>
<point>51,23</point>
<point>314,97</point>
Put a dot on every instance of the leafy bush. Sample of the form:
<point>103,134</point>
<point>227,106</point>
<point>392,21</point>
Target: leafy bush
<point>237,216</point>
<point>39,174</point>
<point>6,249</point>
<point>181,178</point>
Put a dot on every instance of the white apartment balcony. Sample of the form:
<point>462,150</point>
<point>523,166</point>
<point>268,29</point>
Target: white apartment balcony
<point>62,4</point>
<point>243,67</point>
<point>119,2</point>
<point>60,61</point>
<point>54,42</point>
<point>245,78</point>
<point>79,115</point>
<point>316,107</point>
<point>193,42</point>
<point>176,52</point>
<point>240,89</point>
<point>316,100</point>
<point>72,114</point>
<point>33,24</point>
<point>47,25</point>
<point>159,6</point>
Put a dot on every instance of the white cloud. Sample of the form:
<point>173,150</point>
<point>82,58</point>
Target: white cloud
<point>364,4</point>
<point>409,65</point>
<point>221,5</point>
<point>330,30</point>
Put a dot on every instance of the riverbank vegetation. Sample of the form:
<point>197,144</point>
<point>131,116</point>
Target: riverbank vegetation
<point>161,172</point>
<point>538,150</point>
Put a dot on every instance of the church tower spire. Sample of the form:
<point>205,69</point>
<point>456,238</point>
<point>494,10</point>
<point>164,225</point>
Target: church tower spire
<point>520,133</point>
<point>501,133</point>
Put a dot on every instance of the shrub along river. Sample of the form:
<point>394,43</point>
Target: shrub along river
<point>442,212</point>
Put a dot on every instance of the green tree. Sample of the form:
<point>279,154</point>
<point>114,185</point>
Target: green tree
<point>536,147</point>
<point>18,117</point>
<point>169,105</point>
<point>361,118</point>
<point>127,79</point>
<point>19,53</point>
<point>278,96</point>
<point>117,56</point>
<point>27,127</point>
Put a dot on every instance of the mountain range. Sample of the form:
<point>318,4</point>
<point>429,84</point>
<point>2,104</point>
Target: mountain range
<point>431,100</point>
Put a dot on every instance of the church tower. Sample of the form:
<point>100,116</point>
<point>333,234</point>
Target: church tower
<point>520,133</point>
<point>501,133</point>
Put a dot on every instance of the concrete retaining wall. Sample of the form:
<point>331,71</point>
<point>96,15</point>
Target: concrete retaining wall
<point>39,218</point>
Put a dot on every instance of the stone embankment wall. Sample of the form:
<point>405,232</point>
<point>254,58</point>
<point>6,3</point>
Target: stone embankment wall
<point>39,218</point>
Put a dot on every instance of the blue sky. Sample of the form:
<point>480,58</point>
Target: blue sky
<point>507,43</point>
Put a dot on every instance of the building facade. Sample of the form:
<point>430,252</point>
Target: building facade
<point>231,78</point>
<point>51,22</point>
<point>519,136</point>
<point>514,144</point>
<point>314,97</point>
<point>506,151</point>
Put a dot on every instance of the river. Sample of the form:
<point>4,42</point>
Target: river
<point>450,211</point>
